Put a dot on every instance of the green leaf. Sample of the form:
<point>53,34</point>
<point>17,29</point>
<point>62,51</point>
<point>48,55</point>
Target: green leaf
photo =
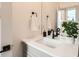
<point>70,28</point>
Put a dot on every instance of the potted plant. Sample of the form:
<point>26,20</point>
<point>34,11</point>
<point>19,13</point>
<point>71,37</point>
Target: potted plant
<point>71,29</point>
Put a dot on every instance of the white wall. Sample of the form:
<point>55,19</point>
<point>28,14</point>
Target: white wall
<point>0,31</point>
<point>0,5</point>
<point>67,4</point>
<point>0,9</point>
<point>21,14</point>
<point>6,16</point>
<point>50,10</point>
<point>16,16</point>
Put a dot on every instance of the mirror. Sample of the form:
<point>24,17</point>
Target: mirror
<point>45,16</point>
<point>48,16</point>
<point>54,13</point>
<point>66,14</point>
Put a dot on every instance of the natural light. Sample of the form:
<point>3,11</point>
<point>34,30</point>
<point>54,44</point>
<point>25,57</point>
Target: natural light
<point>66,14</point>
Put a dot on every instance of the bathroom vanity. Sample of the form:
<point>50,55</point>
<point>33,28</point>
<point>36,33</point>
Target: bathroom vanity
<point>47,47</point>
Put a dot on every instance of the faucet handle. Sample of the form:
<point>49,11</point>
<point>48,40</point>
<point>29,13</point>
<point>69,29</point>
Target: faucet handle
<point>57,31</point>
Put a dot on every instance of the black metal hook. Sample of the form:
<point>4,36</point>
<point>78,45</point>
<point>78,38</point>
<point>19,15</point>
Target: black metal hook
<point>34,13</point>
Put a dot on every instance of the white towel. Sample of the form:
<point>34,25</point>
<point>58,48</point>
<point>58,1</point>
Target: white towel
<point>34,23</point>
<point>49,23</point>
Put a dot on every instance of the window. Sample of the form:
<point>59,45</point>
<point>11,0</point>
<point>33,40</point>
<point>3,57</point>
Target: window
<point>68,14</point>
<point>60,17</point>
<point>71,14</point>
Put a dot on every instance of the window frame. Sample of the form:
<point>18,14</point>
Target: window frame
<point>65,10</point>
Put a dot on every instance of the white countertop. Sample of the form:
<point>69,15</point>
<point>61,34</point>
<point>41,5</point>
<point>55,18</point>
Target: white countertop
<point>65,50</point>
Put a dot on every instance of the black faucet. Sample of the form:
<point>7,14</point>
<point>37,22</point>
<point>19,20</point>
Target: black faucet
<point>49,32</point>
<point>57,31</point>
<point>52,33</point>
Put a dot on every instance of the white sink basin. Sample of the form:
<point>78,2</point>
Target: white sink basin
<point>49,42</point>
<point>56,42</point>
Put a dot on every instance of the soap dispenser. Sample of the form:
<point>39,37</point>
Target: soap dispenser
<point>49,32</point>
<point>44,33</point>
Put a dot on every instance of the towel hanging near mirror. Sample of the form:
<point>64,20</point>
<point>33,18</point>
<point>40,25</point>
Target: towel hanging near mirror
<point>34,23</point>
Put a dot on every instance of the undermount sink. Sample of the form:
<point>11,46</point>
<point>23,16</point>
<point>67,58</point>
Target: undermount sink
<point>54,43</point>
<point>49,42</point>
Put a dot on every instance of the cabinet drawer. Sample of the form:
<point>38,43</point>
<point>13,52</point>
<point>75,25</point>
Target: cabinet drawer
<point>35,52</point>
